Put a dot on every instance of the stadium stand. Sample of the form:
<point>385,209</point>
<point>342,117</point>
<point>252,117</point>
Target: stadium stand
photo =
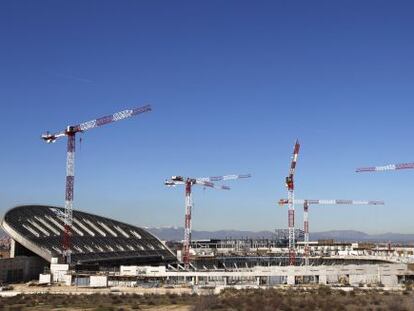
<point>95,239</point>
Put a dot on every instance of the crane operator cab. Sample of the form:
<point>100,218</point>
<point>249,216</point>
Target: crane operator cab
<point>289,182</point>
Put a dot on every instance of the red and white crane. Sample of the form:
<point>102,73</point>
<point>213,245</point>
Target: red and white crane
<point>189,182</point>
<point>306,204</point>
<point>291,207</point>
<point>389,167</point>
<point>70,132</point>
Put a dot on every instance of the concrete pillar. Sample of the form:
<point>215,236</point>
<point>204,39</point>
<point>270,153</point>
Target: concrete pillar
<point>291,279</point>
<point>356,279</point>
<point>12,248</point>
<point>225,280</point>
<point>258,280</point>
<point>322,279</point>
<point>390,280</point>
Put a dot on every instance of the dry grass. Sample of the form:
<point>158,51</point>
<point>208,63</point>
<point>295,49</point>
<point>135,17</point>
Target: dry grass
<point>322,298</point>
<point>97,302</point>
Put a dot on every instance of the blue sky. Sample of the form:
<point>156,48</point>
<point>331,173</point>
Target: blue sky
<point>232,84</point>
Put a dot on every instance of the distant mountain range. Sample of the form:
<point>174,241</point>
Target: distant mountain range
<point>177,233</point>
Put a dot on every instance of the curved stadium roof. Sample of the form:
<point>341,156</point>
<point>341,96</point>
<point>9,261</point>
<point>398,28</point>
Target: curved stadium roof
<point>95,239</point>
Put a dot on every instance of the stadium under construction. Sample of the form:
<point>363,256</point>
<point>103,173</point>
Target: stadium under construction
<point>62,245</point>
<point>107,252</point>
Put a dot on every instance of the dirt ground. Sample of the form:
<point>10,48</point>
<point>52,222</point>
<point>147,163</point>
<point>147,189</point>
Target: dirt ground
<point>322,298</point>
<point>63,289</point>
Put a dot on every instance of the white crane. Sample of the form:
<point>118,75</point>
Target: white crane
<point>70,132</point>
<point>291,196</point>
<point>189,182</point>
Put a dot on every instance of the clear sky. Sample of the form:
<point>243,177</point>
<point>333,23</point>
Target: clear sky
<point>232,84</point>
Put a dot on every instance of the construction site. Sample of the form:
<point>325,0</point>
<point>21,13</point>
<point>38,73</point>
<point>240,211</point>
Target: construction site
<point>56,245</point>
<point>206,155</point>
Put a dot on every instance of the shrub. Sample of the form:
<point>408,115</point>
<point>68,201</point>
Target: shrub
<point>324,290</point>
<point>205,302</point>
<point>395,304</point>
<point>375,301</point>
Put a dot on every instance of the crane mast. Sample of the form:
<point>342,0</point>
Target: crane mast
<point>291,207</point>
<point>70,132</point>
<point>70,179</point>
<point>306,231</point>
<point>187,223</point>
<point>188,183</point>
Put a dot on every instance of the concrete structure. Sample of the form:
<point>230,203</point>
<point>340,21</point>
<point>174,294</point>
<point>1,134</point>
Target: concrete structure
<point>38,231</point>
<point>98,281</point>
<point>59,272</point>
<point>140,270</point>
<point>45,279</point>
<point>23,268</point>
<point>383,275</point>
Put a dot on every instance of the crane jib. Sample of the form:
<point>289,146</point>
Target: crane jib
<point>389,167</point>
<point>117,116</point>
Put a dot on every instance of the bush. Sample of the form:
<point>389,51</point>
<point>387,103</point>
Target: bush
<point>395,304</point>
<point>324,290</point>
<point>205,303</point>
<point>320,298</point>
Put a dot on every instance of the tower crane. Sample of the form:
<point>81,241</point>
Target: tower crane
<point>389,167</point>
<point>189,182</point>
<point>291,207</point>
<point>71,132</point>
<point>307,203</point>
